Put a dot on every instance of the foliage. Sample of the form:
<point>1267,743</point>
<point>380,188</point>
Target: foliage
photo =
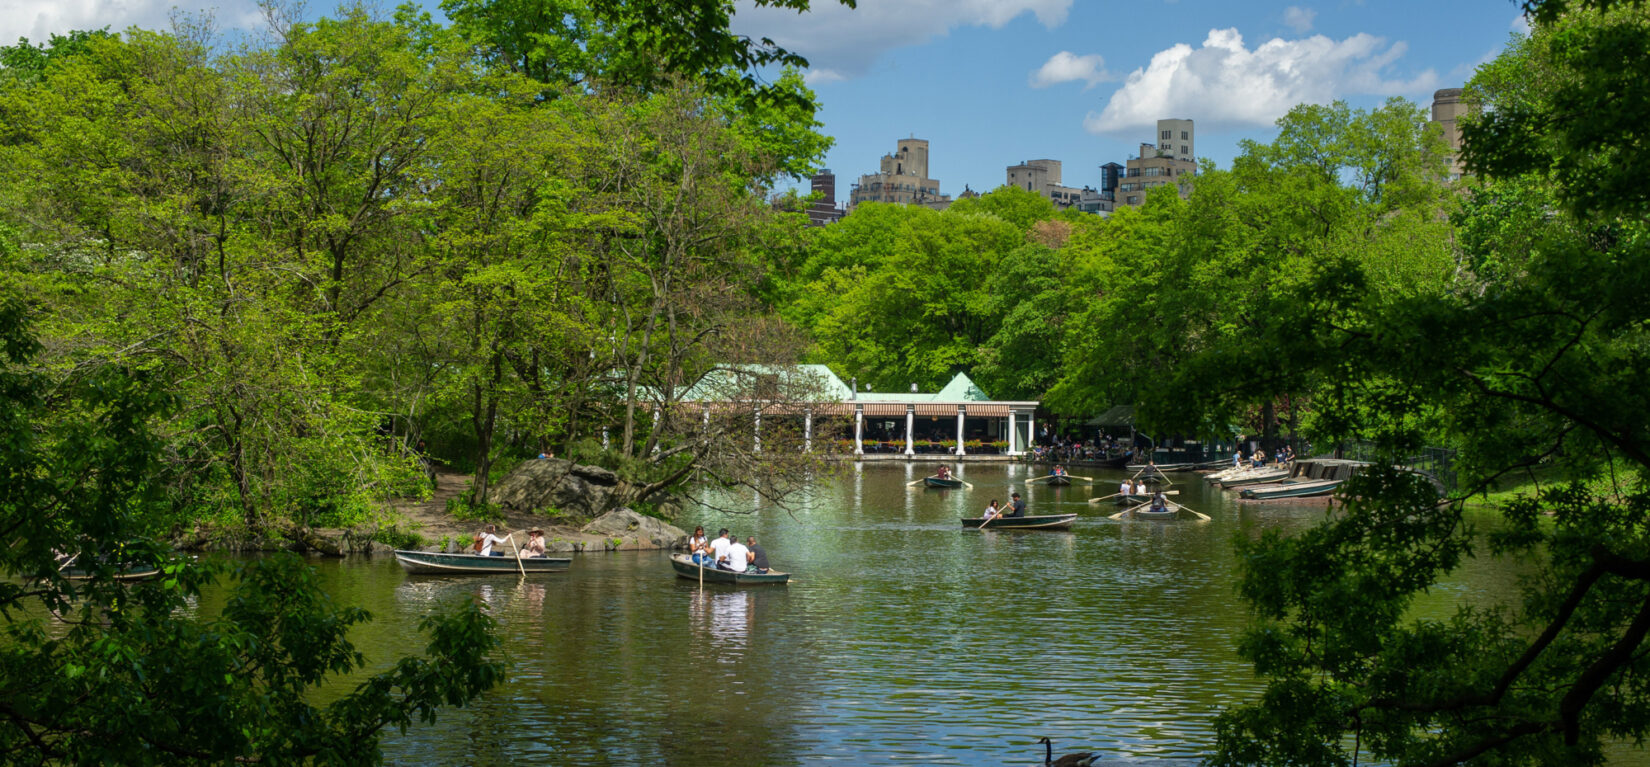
<point>1530,354</point>
<point>98,671</point>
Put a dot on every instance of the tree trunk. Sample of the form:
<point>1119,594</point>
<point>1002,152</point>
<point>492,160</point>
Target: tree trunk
<point>1269,421</point>
<point>484,417</point>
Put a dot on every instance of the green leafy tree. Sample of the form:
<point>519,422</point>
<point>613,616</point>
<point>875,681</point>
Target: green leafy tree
<point>1531,354</point>
<point>97,671</point>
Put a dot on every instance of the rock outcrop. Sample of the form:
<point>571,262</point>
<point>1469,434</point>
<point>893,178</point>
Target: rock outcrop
<point>624,529</point>
<point>580,492</point>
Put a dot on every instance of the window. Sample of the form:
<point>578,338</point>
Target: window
<point>1134,199</point>
<point>1185,135</point>
<point>1168,135</point>
<point>1185,149</point>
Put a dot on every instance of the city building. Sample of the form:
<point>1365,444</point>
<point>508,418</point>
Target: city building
<point>1043,177</point>
<point>823,210</point>
<point>1169,160</point>
<point>902,179</point>
<point>1447,109</point>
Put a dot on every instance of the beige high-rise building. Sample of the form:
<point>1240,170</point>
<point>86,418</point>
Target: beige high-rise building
<point>902,179</point>
<point>1043,177</point>
<point>1172,159</point>
<point>1447,109</point>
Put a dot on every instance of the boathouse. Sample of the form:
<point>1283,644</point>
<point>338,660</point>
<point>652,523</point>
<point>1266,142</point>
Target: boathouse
<point>958,420</point>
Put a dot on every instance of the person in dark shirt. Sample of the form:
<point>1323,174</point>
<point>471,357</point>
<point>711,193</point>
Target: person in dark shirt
<point>759,555</point>
<point>1016,507</point>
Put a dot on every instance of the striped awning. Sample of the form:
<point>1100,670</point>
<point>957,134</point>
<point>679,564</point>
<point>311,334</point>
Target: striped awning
<point>987,411</point>
<point>884,409</point>
<point>950,411</point>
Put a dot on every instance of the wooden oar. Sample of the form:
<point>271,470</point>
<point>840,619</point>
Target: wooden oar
<point>913,483</point>
<point>966,484</point>
<point>519,566</point>
<point>989,521</point>
<point>1085,479</point>
<point>1119,515</point>
<point>1200,515</point>
<point>1039,479</point>
<point>1103,497</point>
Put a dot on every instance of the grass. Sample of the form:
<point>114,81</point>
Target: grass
<point>1530,483</point>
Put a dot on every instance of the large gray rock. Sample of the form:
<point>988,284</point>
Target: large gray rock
<point>635,531</point>
<point>581,492</point>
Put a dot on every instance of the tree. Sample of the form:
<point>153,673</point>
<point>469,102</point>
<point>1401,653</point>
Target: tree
<point>98,671</point>
<point>1531,354</point>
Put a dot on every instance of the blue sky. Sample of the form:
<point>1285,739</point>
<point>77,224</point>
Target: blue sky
<point>991,83</point>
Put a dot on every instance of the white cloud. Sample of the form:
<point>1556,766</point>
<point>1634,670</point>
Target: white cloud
<point>842,43</point>
<point>1521,24</point>
<point>38,20</point>
<point>1065,67</point>
<point>1299,19</point>
<point>1224,84</point>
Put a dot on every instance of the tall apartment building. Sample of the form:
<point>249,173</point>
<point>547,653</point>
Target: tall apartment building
<point>1447,108</point>
<point>1169,160</point>
<point>902,179</point>
<point>824,210</point>
<point>1043,177</point>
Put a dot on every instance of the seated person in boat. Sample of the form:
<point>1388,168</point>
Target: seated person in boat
<point>943,472</point>
<point>534,547</point>
<point>1139,487</point>
<point>699,547</point>
<point>759,556</point>
<point>486,540</point>
<point>1159,502</point>
<point>1125,489</point>
<point>991,512</point>
<point>718,549</point>
<point>1057,471</point>
<point>1016,507</point>
<point>735,558</point>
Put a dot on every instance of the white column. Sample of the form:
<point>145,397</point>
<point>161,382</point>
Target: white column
<point>808,432</point>
<point>910,421</point>
<point>1031,431</point>
<point>960,450</point>
<point>759,431</point>
<point>859,430</point>
<point>1013,435</point>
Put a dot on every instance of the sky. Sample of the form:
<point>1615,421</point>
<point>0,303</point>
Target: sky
<point>992,83</point>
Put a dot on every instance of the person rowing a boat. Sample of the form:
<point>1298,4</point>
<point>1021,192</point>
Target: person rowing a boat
<point>1057,471</point>
<point>735,558</point>
<point>535,544</point>
<point>486,540</point>
<point>1160,503</point>
<point>943,472</point>
<point>1016,507</point>
<point>1125,489</point>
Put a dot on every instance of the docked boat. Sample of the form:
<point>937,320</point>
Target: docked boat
<point>129,573</point>
<point>1159,467</point>
<point>1291,488</point>
<point>1260,477</point>
<point>1036,522</point>
<point>938,482</point>
<point>436,563</point>
<point>685,568</point>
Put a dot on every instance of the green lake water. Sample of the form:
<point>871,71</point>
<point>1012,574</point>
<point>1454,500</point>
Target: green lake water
<point>902,638</point>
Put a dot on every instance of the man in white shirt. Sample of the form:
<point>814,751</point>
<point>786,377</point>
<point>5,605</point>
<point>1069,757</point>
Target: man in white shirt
<point>719,547</point>
<point>738,557</point>
<point>488,540</point>
<point>1124,489</point>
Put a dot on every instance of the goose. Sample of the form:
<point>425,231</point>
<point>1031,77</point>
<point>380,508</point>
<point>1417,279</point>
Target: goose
<point>1080,759</point>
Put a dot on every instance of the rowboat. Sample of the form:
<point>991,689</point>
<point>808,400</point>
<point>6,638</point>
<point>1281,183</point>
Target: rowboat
<point>685,568</point>
<point>1291,488</point>
<point>1173,512</point>
<point>1149,467</point>
<point>1037,522</point>
<point>436,563</point>
<point>129,573</point>
<point>938,482</point>
<point>1132,500</point>
<point>1058,480</point>
<point>1256,478</point>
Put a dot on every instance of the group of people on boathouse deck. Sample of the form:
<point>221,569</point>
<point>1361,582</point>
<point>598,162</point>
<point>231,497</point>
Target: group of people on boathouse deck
<point>727,553</point>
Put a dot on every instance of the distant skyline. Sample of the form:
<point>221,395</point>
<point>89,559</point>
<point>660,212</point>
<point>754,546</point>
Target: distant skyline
<point>992,83</point>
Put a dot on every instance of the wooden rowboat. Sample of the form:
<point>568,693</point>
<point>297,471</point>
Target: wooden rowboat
<point>685,568</point>
<point>1058,480</point>
<point>1132,500</point>
<point>1291,488</point>
<point>1038,522</point>
<point>436,563</point>
<point>128,574</point>
<point>1145,512</point>
<point>938,482</point>
<point>1256,478</point>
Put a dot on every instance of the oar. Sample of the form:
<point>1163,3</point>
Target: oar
<point>989,521</point>
<point>519,566</point>
<point>966,484</point>
<point>1200,515</point>
<point>1119,515</point>
<point>913,483</point>
<point>1085,479</point>
<point>1103,497</point>
<point>1039,479</point>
